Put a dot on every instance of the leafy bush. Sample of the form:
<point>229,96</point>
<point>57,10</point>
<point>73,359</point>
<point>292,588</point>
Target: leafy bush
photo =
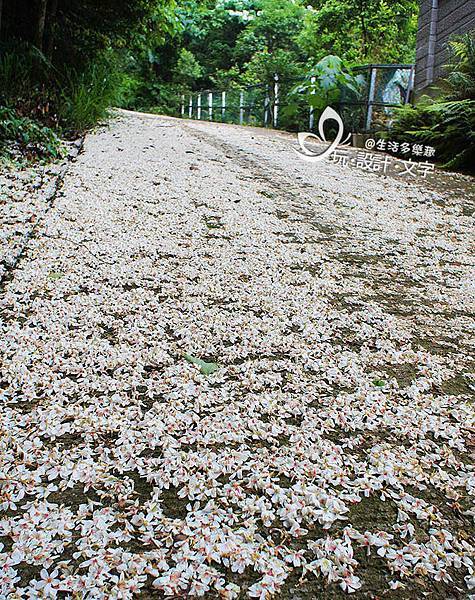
<point>167,100</point>
<point>26,78</point>
<point>154,96</point>
<point>448,123</point>
<point>22,133</point>
<point>324,84</point>
<point>460,83</point>
<point>447,126</point>
<point>87,96</point>
<point>187,68</point>
<point>71,102</point>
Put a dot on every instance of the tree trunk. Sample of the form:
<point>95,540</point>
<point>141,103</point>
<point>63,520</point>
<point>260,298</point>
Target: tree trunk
<point>1,11</point>
<point>40,24</point>
<point>51,28</point>
<point>361,8</point>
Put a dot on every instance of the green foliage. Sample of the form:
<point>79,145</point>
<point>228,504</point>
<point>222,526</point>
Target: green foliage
<point>226,79</point>
<point>326,81</point>
<point>76,31</point>
<point>361,31</point>
<point>210,31</point>
<point>166,100</point>
<point>72,101</point>
<point>22,133</point>
<point>449,126</point>
<point>187,68</point>
<point>248,43</point>
<point>265,64</point>
<point>323,86</point>
<point>278,23</point>
<point>237,43</point>
<point>144,89</point>
<point>448,123</point>
<point>167,49</point>
<point>460,82</point>
<point>67,74</point>
<point>87,96</point>
<point>24,74</point>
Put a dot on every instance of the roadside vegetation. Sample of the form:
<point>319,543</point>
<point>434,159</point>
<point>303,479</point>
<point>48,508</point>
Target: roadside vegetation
<point>447,121</point>
<point>230,44</point>
<point>64,64</point>
<point>61,67</point>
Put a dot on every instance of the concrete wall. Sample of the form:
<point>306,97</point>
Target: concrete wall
<point>438,21</point>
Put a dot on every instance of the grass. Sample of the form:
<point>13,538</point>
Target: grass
<point>40,104</point>
<point>86,97</point>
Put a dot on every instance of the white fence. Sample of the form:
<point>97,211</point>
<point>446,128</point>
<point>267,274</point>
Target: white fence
<point>385,87</point>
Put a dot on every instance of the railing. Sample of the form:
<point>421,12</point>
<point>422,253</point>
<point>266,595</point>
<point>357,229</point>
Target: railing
<point>385,87</point>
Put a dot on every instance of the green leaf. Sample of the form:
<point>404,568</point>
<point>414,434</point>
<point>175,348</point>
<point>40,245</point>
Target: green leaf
<point>379,383</point>
<point>55,275</point>
<point>205,367</point>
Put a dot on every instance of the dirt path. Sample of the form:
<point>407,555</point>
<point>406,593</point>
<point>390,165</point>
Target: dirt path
<point>331,450</point>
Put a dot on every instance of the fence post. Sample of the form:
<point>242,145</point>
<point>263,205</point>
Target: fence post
<point>210,106</point>
<point>410,86</point>
<point>266,107</point>
<point>198,107</point>
<point>223,105</point>
<point>241,107</point>
<point>371,92</point>
<point>311,119</point>
<point>190,107</point>
<point>276,100</point>
<point>182,112</point>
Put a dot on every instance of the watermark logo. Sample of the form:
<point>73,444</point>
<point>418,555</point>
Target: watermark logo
<point>363,159</point>
<point>327,115</point>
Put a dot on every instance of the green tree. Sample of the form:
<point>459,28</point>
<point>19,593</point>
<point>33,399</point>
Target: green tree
<point>187,68</point>
<point>325,82</point>
<point>60,59</point>
<point>265,64</point>
<point>361,30</point>
<point>278,23</point>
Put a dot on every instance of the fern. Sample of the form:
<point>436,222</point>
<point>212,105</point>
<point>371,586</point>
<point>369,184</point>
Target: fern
<point>448,123</point>
<point>460,83</point>
<point>448,126</point>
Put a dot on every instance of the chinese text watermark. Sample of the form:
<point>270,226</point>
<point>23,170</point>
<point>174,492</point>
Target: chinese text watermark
<point>364,160</point>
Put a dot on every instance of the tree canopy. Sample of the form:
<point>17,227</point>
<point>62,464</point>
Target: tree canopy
<point>151,51</point>
<point>234,39</point>
<point>66,28</point>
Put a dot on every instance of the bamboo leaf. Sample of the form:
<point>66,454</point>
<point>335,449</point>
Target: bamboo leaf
<point>207,368</point>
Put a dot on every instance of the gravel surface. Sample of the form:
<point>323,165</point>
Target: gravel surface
<point>228,373</point>
<point>24,198</point>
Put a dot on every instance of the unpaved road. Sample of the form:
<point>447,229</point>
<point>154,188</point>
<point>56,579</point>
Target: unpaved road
<point>332,449</point>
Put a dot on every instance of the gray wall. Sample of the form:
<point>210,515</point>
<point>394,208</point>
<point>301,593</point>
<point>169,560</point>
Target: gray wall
<point>438,21</point>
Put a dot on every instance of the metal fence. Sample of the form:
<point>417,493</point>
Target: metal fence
<point>384,88</point>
